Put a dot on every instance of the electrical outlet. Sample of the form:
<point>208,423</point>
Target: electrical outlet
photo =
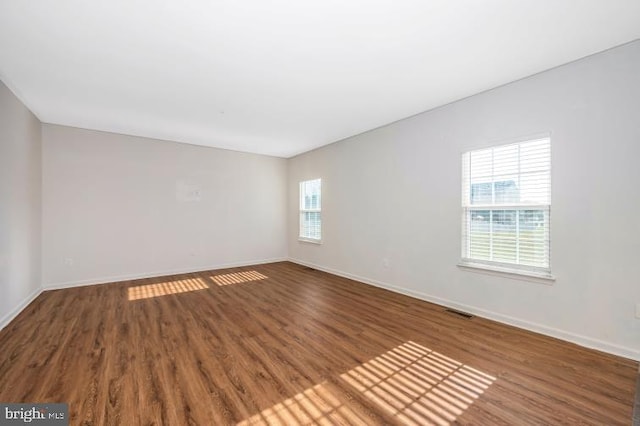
<point>68,261</point>
<point>386,263</point>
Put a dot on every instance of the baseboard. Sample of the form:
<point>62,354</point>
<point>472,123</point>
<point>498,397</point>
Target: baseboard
<point>578,339</point>
<point>117,278</point>
<point>5,320</point>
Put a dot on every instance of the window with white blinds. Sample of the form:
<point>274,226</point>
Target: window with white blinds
<point>311,210</point>
<point>506,206</point>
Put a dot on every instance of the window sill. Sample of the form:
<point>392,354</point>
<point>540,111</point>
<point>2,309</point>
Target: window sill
<point>309,240</point>
<point>540,277</point>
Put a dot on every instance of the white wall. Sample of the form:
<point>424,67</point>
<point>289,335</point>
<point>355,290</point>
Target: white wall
<point>394,193</point>
<point>116,207</point>
<point>20,189</point>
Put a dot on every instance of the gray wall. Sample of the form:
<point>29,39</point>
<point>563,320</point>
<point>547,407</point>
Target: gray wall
<point>20,190</point>
<point>117,207</point>
<point>392,216</point>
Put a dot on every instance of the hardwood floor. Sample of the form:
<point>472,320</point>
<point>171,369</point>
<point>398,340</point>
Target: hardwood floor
<point>636,405</point>
<point>283,344</point>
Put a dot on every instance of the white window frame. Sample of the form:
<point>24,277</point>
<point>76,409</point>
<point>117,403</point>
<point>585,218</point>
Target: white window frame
<point>303,210</point>
<point>494,267</point>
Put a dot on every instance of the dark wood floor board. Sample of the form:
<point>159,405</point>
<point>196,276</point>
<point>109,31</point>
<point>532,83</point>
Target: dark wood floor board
<point>285,344</point>
<point>636,405</point>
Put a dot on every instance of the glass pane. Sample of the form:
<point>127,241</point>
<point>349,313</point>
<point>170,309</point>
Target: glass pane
<point>535,156</point>
<point>505,160</point>
<point>479,238</point>
<point>310,194</point>
<point>506,190</point>
<point>481,193</point>
<point>534,237</point>
<point>504,235</point>
<point>481,164</point>
<point>535,188</point>
<point>311,225</point>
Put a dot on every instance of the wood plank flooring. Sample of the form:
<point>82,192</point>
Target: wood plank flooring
<point>283,344</point>
<point>636,405</point>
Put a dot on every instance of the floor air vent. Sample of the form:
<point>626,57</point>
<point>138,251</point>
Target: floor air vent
<point>461,314</point>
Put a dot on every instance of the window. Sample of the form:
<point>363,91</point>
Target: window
<point>310,210</point>
<point>506,207</point>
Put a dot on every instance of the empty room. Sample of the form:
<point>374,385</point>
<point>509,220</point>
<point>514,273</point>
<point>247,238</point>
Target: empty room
<point>294,213</point>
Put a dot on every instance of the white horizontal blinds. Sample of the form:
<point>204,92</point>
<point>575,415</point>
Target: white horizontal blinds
<point>310,209</point>
<point>506,200</point>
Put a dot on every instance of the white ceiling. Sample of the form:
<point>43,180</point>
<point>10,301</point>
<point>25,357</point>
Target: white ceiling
<point>281,77</point>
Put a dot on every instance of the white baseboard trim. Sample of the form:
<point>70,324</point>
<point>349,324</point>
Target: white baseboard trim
<point>117,278</point>
<point>578,339</point>
<point>5,320</point>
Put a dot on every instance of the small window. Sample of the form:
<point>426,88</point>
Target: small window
<point>311,210</point>
<point>506,206</point>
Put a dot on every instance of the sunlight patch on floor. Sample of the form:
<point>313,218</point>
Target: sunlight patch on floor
<point>237,277</point>
<point>419,386</point>
<point>166,288</point>
<point>316,405</point>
